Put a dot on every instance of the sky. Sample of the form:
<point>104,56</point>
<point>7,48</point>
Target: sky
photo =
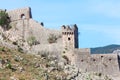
<point>98,20</point>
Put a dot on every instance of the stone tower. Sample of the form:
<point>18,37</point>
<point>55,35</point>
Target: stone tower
<point>70,36</point>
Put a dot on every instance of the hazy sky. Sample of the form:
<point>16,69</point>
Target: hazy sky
<point>98,20</point>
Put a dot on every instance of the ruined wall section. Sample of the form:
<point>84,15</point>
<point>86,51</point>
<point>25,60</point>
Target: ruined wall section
<point>42,34</point>
<point>82,58</point>
<point>23,29</point>
<point>104,63</point>
<point>101,63</point>
<point>18,14</point>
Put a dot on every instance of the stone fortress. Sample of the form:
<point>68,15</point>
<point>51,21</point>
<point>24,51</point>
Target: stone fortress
<point>23,26</point>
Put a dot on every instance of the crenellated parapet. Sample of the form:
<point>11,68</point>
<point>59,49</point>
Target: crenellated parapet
<point>69,28</point>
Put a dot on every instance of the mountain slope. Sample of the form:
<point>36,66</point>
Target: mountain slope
<point>105,49</point>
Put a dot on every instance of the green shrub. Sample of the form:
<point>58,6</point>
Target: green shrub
<point>52,38</point>
<point>32,41</point>
<point>4,20</point>
<point>21,79</point>
<point>20,49</point>
<point>2,49</point>
<point>8,65</point>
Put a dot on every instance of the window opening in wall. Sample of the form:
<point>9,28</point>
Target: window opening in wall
<point>65,33</point>
<point>8,17</point>
<point>22,16</point>
<point>72,33</point>
<point>101,56</point>
<point>94,60</point>
<point>69,39</point>
<point>82,60</point>
<point>110,59</point>
<point>42,23</point>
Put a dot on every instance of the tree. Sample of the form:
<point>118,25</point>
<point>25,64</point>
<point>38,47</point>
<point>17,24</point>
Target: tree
<point>4,20</point>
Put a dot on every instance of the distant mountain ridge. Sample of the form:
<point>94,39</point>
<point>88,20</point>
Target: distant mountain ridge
<point>105,49</point>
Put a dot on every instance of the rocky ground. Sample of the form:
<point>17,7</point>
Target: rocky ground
<point>15,65</point>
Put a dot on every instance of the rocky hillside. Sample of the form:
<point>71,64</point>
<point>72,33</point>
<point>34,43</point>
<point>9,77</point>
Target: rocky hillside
<point>15,65</point>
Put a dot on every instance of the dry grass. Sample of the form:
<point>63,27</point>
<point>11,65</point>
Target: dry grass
<point>27,62</point>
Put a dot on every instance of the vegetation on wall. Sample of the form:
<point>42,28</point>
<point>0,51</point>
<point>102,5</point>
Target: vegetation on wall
<point>52,38</point>
<point>4,20</point>
<point>32,41</point>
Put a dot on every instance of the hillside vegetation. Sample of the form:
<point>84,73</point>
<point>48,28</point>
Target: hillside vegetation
<point>15,65</point>
<point>20,66</point>
<point>105,49</point>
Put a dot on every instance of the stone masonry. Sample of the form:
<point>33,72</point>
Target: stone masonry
<point>23,26</point>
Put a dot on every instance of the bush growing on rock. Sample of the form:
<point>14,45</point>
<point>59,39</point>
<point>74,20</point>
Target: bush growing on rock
<point>52,38</point>
<point>32,41</point>
<point>4,20</point>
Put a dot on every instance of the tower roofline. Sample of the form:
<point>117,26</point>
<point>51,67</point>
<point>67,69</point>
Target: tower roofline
<point>69,27</point>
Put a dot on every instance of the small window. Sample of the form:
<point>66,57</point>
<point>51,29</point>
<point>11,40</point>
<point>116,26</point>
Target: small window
<point>22,16</point>
<point>82,60</point>
<point>65,33</point>
<point>101,56</point>
<point>42,23</point>
<point>8,17</point>
<point>110,59</point>
<point>94,60</point>
<point>68,39</point>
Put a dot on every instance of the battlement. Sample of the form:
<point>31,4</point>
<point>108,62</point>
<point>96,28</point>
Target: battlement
<point>19,14</point>
<point>69,28</point>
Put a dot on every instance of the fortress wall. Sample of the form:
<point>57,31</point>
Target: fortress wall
<point>47,48</point>
<point>24,28</point>
<point>104,63</point>
<point>81,58</point>
<point>28,28</point>
<point>18,14</point>
<point>20,30</point>
<point>101,63</point>
<point>83,50</point>
<point>16,33</point>
<point>42,34</point>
